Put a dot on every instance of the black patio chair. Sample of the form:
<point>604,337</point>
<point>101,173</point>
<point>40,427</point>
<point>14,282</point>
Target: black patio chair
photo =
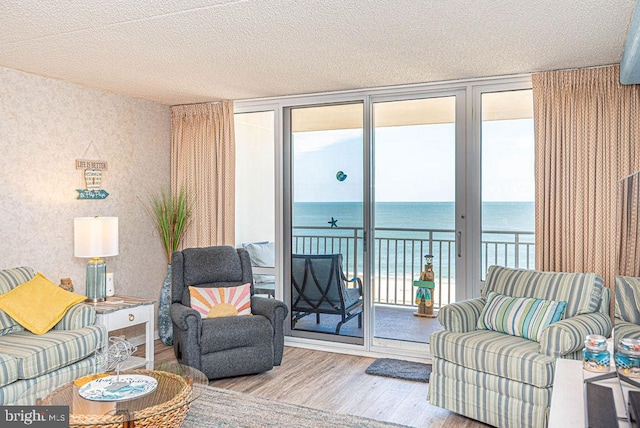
<point>319,287</point>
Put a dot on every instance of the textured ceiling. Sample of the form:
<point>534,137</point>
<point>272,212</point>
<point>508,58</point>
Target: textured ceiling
<point>187,51</point>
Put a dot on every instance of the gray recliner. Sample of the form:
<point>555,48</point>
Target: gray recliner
<point>227,346</point>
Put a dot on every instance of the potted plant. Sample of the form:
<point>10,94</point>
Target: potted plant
<point>171,214</point>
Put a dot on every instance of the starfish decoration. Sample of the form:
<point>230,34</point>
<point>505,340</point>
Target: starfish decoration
<point>333,222</point>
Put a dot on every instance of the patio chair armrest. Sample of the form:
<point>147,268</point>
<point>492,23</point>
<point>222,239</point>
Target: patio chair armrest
<point>358,280</point>
<point>567,336</point>
<point>461,317</point>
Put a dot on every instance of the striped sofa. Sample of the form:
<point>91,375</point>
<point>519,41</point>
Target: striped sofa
<point>505,380</point>
<point>58,356</point>
<point>627,321</point>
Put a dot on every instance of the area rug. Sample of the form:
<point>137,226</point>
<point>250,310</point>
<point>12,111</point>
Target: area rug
<point>400,369</point>
<point>229,409</point>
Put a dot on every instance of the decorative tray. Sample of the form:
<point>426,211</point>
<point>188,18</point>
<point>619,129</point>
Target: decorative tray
<point>112,388</point>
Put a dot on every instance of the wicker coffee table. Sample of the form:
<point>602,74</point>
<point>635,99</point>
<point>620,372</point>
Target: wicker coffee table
<point>166,406</point>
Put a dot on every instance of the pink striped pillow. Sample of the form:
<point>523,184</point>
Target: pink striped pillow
<point>215,302</point>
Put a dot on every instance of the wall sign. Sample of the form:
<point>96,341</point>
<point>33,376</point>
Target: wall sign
<point>93,179</point>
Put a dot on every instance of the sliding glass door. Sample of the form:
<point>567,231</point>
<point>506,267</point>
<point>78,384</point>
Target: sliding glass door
<point>414,163</point>
<point>374,183</point>
<point>409,212</point>
<point>327,222</point>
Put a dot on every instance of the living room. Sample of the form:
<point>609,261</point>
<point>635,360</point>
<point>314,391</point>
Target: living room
<point>102,83</point>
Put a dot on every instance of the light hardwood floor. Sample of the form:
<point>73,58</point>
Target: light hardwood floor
<point>337,383</point>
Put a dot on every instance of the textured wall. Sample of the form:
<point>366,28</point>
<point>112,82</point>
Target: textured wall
<point>45,125</point>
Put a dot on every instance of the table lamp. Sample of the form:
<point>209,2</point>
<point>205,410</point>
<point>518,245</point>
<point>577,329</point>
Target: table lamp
<point>95,237</point>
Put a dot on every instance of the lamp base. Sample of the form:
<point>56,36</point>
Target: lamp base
<point>96,286</point>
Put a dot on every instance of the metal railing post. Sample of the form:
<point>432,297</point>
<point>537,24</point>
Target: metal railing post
<point>355,252</point>
<point>430,243</point>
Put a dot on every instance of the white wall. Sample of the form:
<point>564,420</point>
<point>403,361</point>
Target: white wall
<point>45,125</point>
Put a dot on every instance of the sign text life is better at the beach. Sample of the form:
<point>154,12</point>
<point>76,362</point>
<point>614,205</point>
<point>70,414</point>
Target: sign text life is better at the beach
<point>93,179</point>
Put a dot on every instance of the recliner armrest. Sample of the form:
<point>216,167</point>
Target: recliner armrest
<point>78,316</point>
<point>461,317</point>
<point>182,316</point>
<point>567,336</point>
<point>274,310</point>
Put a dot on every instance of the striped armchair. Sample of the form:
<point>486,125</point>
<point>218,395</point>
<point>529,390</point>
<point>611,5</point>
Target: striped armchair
<point>502,379</point>
<point>627,307</point>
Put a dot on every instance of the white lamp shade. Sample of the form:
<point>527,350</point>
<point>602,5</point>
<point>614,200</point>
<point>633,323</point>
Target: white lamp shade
<point>95,236</point>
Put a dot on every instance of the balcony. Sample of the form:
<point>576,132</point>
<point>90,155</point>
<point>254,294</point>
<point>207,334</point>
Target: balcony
<point>398,261</point>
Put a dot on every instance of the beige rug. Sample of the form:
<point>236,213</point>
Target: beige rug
<point>222,408</point>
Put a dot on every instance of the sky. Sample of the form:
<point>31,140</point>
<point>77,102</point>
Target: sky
<point>413,163</point>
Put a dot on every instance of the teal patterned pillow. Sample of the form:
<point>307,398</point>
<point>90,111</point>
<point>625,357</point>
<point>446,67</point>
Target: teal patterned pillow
<point>519,316</point>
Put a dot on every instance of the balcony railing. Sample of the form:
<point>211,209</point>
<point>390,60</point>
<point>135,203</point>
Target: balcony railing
<point>399,256</point>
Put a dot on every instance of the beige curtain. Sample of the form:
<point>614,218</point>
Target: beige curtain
<point>587,129</point>
<point>628,227</point>
<point>203,162</point>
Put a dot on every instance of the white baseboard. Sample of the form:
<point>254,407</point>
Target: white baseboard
<point>349,349</point>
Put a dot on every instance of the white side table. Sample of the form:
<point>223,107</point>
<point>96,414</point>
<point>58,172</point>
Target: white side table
<point>119,312</point>
<point>567,400</point>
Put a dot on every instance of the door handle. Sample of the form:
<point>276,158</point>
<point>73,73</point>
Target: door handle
<point>459,243</point>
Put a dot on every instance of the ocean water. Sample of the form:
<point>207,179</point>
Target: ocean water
<point>503,216</point>
<point>399,245</point>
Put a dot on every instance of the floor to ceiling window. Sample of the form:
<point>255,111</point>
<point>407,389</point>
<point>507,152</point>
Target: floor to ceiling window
<point>256,195</point>
<point>508,180</point>
<point>383,179</point>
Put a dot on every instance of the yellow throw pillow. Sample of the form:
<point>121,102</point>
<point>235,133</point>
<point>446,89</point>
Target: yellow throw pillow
<point>216,302</point>
<point>38,304</point>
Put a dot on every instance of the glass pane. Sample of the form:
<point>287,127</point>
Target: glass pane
<point>255,194</point>
<point>327,219</point>
<point>508,180</point>
<point>414,151</point>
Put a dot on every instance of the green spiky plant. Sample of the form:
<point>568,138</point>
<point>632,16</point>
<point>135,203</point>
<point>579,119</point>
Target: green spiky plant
<point>171,215</point>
